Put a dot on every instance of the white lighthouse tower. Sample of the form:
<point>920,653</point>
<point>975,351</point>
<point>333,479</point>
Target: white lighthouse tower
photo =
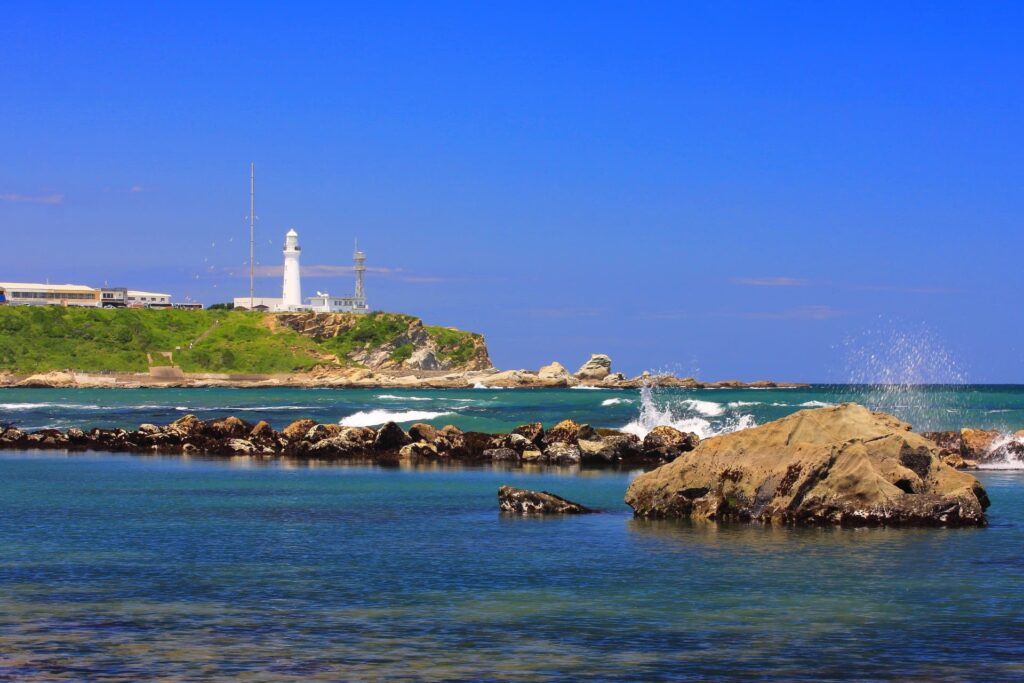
<point>291,295</point>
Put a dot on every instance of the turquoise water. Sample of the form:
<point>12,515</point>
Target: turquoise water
<point>704,411</point>
<point>140,568</point>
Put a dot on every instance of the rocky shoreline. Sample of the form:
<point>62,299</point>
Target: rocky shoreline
<point>566,443</point>
<point>596,372</point>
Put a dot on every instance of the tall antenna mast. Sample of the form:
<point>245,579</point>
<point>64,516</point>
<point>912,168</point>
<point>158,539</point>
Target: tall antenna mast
<point>252,232</point>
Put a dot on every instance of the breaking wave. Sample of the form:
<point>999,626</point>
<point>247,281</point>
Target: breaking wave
<point>369,418</point>
<point>1005,453</point>
<point>392,397</point>
<point>588,388</point>
<point>680,416</point>
<point>36,406</point>
<point>708,408</point>
<point>815,404</point>
<point>615,401</point>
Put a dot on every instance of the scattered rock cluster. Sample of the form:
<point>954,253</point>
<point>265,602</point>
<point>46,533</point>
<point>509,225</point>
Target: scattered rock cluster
<point>838,465</point>
<point>566,443</point>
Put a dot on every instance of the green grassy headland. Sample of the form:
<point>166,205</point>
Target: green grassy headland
<point>42,338</point>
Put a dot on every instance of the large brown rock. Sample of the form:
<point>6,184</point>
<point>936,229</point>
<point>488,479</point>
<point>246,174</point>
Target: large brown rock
<point>298,429</point>
<point>533,432</point>
<point>421,431</point>
<point>837,465</point>
<point>566,431</point>
<point>229,427</point>
<point>667,442</point>
<point>977,443</point>
<point>525,502</point>
<point>185,426</point>
<point>390,436</point>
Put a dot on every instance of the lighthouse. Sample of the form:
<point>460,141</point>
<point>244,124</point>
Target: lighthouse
<point>291,295</point>
<point>291,288</point>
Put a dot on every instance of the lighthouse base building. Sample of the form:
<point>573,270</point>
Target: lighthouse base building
<point>291,288</point>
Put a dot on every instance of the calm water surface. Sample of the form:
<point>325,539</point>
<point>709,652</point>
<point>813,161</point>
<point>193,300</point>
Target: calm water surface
<point>140,568</point>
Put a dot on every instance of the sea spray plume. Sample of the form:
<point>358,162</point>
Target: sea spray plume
<point>1006,453</point>
<point>666,407</point>
<point>902,367</point>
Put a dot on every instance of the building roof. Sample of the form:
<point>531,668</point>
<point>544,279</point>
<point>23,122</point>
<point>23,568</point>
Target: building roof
<point>291,233</point>
<point>137,292</point>
<point>37,285</point>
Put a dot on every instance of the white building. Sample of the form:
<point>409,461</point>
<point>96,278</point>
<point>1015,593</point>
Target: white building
<point>291,288</point>
<point>325,303</point>
<point>29,294</point>
<point>140,299</point>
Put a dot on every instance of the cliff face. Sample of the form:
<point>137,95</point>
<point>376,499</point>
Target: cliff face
<point>390,341</point>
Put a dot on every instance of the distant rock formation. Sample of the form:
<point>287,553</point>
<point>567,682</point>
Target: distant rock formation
<point>596,369</point>
<point>555,371</point>
<point>836,465</point>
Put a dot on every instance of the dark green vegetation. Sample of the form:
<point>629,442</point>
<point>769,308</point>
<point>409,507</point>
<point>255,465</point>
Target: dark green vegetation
<point>370,331</point>
<point>452,345</point>
<point>42,338</point>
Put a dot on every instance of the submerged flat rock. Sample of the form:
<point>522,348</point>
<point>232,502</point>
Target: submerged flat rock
<point>840,465</point>
<point>526,502</point>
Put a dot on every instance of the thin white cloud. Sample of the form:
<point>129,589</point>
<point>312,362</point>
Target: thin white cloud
<point>813,312</point>
<point>909,290</point>
<point>784,281</point>
<point>663,315</point>
<point>568,312</point>
<point>324,270</point>
<point>779,281</point>
<point>51,199</point>
<point>135,189</point>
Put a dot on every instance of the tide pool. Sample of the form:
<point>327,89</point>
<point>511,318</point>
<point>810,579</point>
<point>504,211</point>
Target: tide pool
<point>147,568</point>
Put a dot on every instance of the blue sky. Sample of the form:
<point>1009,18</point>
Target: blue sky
<point>727,189</point>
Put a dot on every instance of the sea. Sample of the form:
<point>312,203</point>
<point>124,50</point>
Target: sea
<point>121,567</point>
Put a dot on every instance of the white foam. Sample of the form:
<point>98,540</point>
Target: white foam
<point>652,415</point>
<point>368,418</point>
<point>741,404</point>
<point>36,406</point>
<point>25,406</point>
<point>588,388</point>
<point>392,397</point>
<point>815,404</point>
<point>615,401</point>
<point>709,408</point>
<point>1001,457</point>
